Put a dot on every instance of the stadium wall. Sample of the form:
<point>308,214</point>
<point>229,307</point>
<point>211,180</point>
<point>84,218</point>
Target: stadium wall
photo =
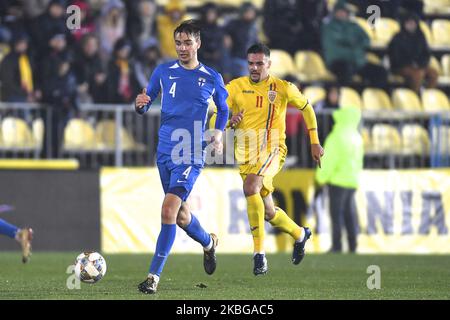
<point>62,206</point>
<point>117,210</point>
<point>399,211</point>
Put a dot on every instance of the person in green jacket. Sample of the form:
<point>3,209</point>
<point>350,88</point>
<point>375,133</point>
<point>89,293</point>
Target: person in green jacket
<point>344,47</point>
<point>341,165</point>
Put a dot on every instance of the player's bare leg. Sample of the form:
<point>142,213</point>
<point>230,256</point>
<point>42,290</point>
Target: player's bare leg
<point>184,220</point>
<point>24,237</point>
<point>279,219</point>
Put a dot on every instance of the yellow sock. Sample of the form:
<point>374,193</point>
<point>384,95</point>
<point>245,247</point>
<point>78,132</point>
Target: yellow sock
<point>255,212</point>
<point>282,221</point>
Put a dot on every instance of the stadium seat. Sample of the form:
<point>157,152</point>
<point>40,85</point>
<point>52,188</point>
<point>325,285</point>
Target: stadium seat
<point>445,64</point>
<point>373,58</point>
<point>436,7</point>
<point>311,67</point>
<point>79,135</point>
<point>385,29</point>
<point>38,129</point>
<point>406,99</point>
<point>105,135</point>
<point>385,139</point>
<point>282,63</point>
<point>367,140</point>
<point>441,33</point>
<point>435,100</point>
<point>415,139</point>
<point>16,134</point>
<point>314,94</point>
<point>376,99</point>
<point>349,97</point>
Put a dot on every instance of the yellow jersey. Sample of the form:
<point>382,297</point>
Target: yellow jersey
<point>264,105</point>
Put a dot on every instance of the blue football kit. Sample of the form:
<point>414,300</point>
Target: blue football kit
<point>185,96</point>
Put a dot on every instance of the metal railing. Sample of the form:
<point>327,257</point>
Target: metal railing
<point>115,135</point>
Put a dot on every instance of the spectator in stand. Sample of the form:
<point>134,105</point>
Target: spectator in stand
<point>59,92</point>
<point>89,71</point>
<point>175,13</point>
<point>213,38</point>
<point>47,24</point>
<point>122,84</point>
<point>12,19</point>
<point>87,24</point>
<point>141,22</point>
<point>17,76</point>
<point>241,34</point>
<point>293,25</point>
<point>147,62</point>
<point>344,45</point>
<point>409,55</point>
<point>111,27</point>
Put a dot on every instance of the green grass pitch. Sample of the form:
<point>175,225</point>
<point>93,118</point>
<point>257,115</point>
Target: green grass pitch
<point>325,276</point>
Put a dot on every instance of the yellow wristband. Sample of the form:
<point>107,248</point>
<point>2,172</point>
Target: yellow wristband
<point>313,136</point>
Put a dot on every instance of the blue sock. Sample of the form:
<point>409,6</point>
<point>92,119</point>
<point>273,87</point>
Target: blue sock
<point>8,229</point>
<point>196,232</point>
<point>163,245</point>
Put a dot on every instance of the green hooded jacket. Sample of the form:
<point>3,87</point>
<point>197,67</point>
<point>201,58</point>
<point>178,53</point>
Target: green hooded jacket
<point>344,40</point>
<point>342,161</point>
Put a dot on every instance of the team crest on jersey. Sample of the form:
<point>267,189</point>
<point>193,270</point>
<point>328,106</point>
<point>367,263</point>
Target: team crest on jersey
<point>201,82</point>
<point>272,95</point>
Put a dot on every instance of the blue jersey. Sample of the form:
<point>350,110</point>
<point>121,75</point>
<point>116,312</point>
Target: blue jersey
<point>185,96</point>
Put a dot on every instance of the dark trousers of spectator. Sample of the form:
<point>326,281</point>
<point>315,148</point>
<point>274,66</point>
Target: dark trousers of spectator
<point>372,74</point>
<point>415,77</point>
<point>343,213</point>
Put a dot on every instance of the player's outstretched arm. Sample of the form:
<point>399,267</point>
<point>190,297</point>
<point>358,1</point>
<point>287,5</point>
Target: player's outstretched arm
<point>141,101</point>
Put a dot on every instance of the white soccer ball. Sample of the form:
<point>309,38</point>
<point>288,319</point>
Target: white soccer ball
<point>90,267</point>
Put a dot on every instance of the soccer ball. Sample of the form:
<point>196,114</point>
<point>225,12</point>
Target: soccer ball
<point>90,267</point>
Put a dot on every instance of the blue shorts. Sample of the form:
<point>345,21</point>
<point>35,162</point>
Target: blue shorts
<point>178,179</point>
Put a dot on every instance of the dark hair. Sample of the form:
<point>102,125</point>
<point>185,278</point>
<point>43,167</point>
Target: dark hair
<point>190,27</point>
<point>259,48</point>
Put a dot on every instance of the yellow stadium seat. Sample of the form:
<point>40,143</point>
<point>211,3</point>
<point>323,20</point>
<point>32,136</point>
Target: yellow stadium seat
<point>79,135</point>
<point>445,63</point>
<point>415,139</point>
<point>385,139</point>
<point>38,129</point>
<point>373,58</point>
<point>105,135</point>
<point>435,100</point>
<point>376,99</point>
<point>314,94</point>
<point>441,32</point>
<point>311,67</point>
<point>385,29</point>
<point>434,63</point>
<point>406,99</point>
<point>16,134</point>
<point>367,140</point>
<point>436,7</point>
<point>282,63</point>
<point>349,97</point>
